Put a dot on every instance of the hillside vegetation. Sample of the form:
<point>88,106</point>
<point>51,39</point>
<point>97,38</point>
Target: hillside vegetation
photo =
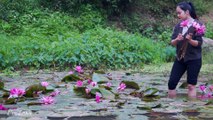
<point>95,34</point>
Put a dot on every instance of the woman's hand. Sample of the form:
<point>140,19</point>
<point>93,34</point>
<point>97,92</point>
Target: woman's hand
<point>179,37</point>
<point>189,36</point>
<point>191,41</point>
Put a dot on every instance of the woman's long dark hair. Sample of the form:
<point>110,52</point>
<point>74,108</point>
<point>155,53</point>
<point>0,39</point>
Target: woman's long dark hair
<point>188,6</point>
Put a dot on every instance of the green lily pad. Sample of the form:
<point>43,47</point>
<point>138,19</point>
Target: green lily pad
<point>34,103</point>
<point>131,84</point>
<point>136,94</point>
<point>106,87</point>
<point>49,88</point>
<point>99,72</point>
<point>71,78</point>
<point>120,104</point>
<point>21,99</point>
<point>30,91</point>
<point>99,78</point>
<point>94,90</point>
<point>61,86</point>
<point>80,91</point>
<point>10,101</point>
<point>127,74</point>
<point>144,108</point>
<point>149,107</point>
<point>151,92</point>
<point>210,102</point>
<point>117,96</point>
<point>151,98</point>
<point>107,94</point>
<point>6,95</point>
<point>1,85</point>
<point>102,82</point>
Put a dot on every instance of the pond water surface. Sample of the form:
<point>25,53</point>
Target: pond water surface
<point>72,107</point>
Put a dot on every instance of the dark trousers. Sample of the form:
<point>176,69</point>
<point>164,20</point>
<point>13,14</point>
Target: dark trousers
<point>180,67</point>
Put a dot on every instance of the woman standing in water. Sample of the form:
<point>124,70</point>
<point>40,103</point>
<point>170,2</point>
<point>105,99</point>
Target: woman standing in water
<point>187,37</point>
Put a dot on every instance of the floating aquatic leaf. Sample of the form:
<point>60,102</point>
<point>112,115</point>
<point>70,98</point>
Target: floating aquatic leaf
<point>210,102</point>
<point>50,88</point>
<point>117,96</point>
<point>80,91</point>
<point>1,85</point>
<point>11,101</point>
<point>204,116</point>
<point>94,117</point>
<point>137,94</point>
<point>102,82</point>
<point>149,107</point>
<point>191,111</point>
<point>128,74</point>
<point>99,72</point>
<point>34,103</point>
<point>107,94</point>
<point>6,95</point>
<point>151,98</point>
<point>151,92</point>
<point>99,78</point>
<point>106,87</point>
<point>120,104</point>
<point>31,90</point>
<point>144,108</point>
<point>170,109</point>
<point>60,86</point>
<point>94,90</point>
<point>21,99</point>
<point>131,84</point>
<point>99,110</point>
<point>70,78</point>
<point>56,117</point>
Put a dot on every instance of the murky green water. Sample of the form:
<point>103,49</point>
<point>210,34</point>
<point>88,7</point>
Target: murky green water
<point>72,107</point>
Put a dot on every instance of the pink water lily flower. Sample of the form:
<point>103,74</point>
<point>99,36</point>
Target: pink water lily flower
<point>71,72</point>
<point>196,25</point>
<point>200,29</point>
<point>121,87</point>
<point>16,92</point>
<point>89,81</point>
<point>203,97</point>
<point>87,90</point>
<point>44,84</point>
<point>184,23</point>
<point>98,97</point>
<point>78,69</point>
<point>79,83</point>
<point>47,100</point>
<point>209,95</point>
<point>38,92</point>
<point>109,84</point>
<point>211,88</point>
<point>55,93</point>
<point>202,88</point>
<point>2,107</point>
<point>93,84</point>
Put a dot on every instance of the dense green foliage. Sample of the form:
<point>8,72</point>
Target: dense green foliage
<point>94,48</point>
<point>59,33</point>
